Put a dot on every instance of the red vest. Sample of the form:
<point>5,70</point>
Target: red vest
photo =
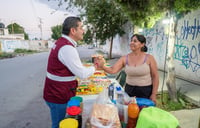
<point>57,91</point>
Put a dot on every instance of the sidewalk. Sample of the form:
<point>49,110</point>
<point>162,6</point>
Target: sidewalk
<point>187,118</point>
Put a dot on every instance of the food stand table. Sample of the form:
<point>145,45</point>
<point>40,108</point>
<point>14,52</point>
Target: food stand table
<point>90,88</point>
<point>88,101</point>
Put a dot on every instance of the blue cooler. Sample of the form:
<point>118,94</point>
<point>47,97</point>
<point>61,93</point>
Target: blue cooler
<point>144,102</point>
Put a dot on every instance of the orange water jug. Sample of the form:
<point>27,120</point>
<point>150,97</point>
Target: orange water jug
<point>133,112</point>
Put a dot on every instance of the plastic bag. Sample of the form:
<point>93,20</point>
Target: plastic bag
<point>104,113</point>
<point>122,101</point>
<point>103,97</point>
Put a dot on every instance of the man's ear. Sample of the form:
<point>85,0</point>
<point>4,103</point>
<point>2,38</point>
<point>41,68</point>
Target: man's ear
<point>73,30</point>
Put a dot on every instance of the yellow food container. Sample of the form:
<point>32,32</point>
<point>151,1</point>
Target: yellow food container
<point>68,123</point>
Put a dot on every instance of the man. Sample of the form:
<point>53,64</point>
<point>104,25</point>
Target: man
<point>63,65</point>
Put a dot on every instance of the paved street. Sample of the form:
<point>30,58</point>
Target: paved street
<point>21,103</point>
<point>21,86</point>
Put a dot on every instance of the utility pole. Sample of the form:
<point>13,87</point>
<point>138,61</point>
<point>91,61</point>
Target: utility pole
<point>40,26</point>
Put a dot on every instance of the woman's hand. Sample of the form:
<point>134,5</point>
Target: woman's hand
<point>153,98</point>
<point>100,61</point>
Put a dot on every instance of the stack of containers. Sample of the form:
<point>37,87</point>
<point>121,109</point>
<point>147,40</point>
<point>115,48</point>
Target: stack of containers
<point>73,111</point>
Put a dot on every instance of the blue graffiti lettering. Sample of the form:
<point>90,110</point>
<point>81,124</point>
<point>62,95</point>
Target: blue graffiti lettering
<point>193,30</point>
<point>188,57</point>
<point>199,47</point>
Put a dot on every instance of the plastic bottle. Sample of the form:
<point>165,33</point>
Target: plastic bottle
<point>133,112</point>
<point>120,97</point>
<point>111,91</point>
<point>120,103</point>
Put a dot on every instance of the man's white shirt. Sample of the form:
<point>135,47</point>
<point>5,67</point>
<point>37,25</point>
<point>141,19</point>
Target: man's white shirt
<point>69,56</point>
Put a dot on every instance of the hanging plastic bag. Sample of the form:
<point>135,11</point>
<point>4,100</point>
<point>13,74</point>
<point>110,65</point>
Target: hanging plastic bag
<point>122,101</point>
<point>104,113</point>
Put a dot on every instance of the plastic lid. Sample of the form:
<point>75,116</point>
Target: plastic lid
<point>144,102</point>
<point>73,102</point>
<point>77,98</point>
<point>73,110</point>
<point>68,123</point>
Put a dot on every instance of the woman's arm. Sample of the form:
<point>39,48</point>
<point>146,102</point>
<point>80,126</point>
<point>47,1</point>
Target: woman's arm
<point>155,78</point>
<point>115,68</point>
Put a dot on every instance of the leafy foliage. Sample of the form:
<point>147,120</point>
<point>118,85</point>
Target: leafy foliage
<point>26,37</point>
<point>88,37</point>
<point>56,31</point>
<point>15,29</point>
<point>27,51</point>
<point>164,102</point>
<point>145,13</point>
<point>16,52</point>
<point>182,7</point>
<point>106,19</point>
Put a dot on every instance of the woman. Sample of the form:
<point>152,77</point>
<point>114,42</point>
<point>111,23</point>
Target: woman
<point>141,69</point>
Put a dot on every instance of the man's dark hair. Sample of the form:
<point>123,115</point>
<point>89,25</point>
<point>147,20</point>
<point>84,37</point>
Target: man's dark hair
<point>70,22</point>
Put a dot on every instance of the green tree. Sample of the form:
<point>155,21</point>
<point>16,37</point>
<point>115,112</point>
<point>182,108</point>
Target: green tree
<point>88,36</point>
<point>106,19</point>
<point>17,29</point>
<point>146,12</point>
<point>26,37</point>
<point>56,31</point>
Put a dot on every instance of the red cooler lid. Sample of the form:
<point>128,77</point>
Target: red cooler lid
<point>73,110</point>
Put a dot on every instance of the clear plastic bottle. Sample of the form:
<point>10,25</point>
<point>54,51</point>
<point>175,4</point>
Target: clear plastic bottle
<point>120,97</point>
<point>111,91</point>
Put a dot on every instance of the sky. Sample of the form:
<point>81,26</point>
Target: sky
<point>31,13</point>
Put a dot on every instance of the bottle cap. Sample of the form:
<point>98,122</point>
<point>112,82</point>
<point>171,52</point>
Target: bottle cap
<point>118,88</point>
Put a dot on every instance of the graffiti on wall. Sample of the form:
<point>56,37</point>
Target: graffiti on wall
<point>187,46</point>
<point>190,29</point>
<point>156,41</point>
